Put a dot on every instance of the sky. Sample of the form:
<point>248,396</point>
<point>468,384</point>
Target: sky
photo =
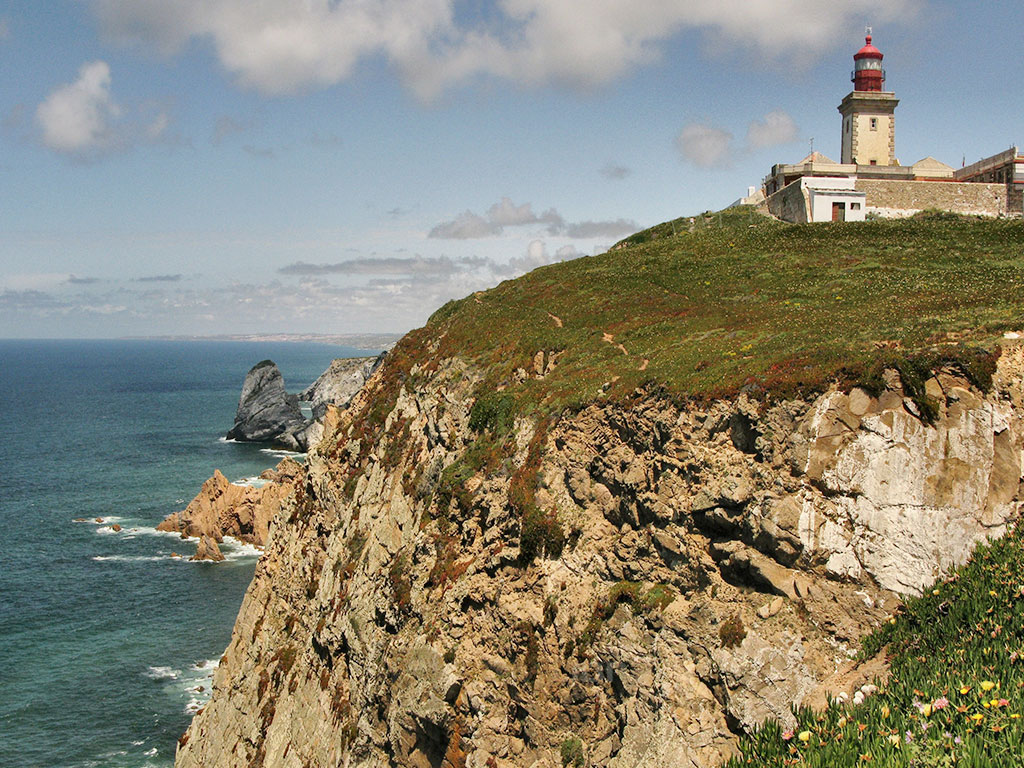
<point>203,167</point>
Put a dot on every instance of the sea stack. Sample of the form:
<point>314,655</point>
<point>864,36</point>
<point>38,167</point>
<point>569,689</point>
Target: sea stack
<point>266,411</point>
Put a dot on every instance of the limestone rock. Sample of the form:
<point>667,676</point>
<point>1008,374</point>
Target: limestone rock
<point>266,412</point>
<point>339,383</point>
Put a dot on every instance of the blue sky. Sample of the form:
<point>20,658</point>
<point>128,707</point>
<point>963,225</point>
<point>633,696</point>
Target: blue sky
<point>343,166</point>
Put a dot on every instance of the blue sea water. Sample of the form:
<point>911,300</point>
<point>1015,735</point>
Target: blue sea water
<point>105,640</point>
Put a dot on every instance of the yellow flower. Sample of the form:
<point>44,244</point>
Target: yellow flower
<point>985,704</point>
<point>926,710</point>
<point>894,739</point>
<point>987,685</point>
<point>994,702</point>
<point>842,722</point>
<point>977,717</point>
<point>804,736</point>
<point>935,591</point>
<point>965,690</point>
<point>992,592</point>
<point>1015,716</point>
<point>885,710</point>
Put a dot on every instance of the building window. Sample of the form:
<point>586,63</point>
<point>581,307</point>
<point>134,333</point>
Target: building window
<point>874,162</point>
<point>874,123</point>
<point>854,206</point>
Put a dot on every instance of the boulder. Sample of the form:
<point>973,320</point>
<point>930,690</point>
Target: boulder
<point>266,411</point>
<point>207,549</point>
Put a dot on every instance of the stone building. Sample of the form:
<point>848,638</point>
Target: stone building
<point>870,181</point>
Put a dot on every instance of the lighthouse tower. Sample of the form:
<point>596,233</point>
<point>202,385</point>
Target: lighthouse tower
<point>869,124</point>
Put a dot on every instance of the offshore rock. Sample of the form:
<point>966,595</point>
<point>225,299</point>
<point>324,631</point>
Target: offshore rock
<point>721,563</point>
<point>222,508</point>
<point>207,549</point>
<point>266,412</point>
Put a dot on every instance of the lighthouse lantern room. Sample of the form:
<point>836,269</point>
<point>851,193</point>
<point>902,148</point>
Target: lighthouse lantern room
<point>869,125</point>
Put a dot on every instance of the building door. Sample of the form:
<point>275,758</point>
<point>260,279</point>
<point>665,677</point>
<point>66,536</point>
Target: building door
<point>838,211</point>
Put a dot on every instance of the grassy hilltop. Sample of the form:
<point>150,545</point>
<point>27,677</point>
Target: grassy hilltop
<point>745,302</point>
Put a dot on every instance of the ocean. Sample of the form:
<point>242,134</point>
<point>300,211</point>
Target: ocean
<point>107,643</point>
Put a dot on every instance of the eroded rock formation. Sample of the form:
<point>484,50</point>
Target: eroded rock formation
<point>266,412</point>
<point>222,508</point>
<point>719,563</point>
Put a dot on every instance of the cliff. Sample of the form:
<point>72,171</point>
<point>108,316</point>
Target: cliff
<point>549,544</point>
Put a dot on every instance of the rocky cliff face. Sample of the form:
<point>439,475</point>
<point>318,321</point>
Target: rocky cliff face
<point>639,581</point>
<point>339,383</point>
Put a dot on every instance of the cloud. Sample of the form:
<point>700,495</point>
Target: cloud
<point>227,126</point>
<point>775,128</point>
<point>711,146</point>
<point>77,118</point>
<point>705,145</point>
<point>75,280</point>
<point>284,47</point>
<point>325,140</point>
<point>364,294</point>
<point>466,225</point>
<point>585,230</point>
<point>82,120</point>
<point>505,213</point>
<point>264,153</point>
<point>615,172</point>
<point>158,279</point>
<point>415,265</point>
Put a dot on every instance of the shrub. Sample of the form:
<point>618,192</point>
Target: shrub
<point>731,632</point>
<point>572,753</point>
<point>492,411</point>
<point>401,588</point>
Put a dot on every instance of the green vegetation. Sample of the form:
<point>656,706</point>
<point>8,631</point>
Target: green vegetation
<point>955,694</point>
<point>492,411</point>
<point>742,302</point>
<point>630,592</point>
<point>731,631</point>
<point>572,753</point>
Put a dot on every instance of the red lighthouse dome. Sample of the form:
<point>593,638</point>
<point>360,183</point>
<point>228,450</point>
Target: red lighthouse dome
<point>868,74</point>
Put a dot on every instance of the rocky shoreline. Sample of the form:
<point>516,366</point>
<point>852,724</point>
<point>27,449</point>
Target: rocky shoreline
<point>267,414</point>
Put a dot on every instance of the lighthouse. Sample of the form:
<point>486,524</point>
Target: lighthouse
<point>869,124</point>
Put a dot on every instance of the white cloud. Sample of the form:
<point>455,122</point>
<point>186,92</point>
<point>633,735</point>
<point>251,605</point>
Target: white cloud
<point>505,213</point>
<point>77,118</point>
<point>281,47</point>
<point>705,145</point>
<point>775,128</point>
<point>465,226</point>
<point>711,146</point>
<point>81,119</point>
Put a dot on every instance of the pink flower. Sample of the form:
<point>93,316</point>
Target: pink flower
<point>940,703</point>
<point>787,735</point>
